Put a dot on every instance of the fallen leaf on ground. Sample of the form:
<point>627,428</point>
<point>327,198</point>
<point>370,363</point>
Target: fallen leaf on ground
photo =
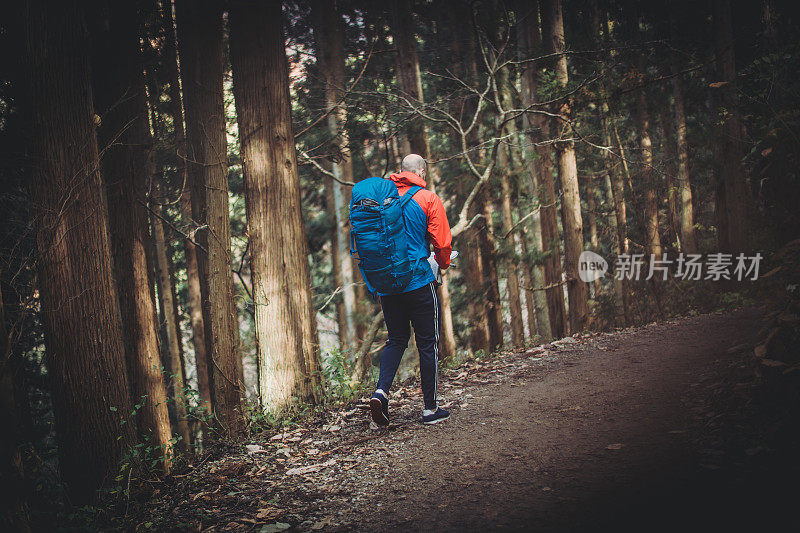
<point>268,512</point>
<point>254,449</point>
<point>616,446</point>
<point>322,523</point>
<point>310,468</point>
<point>275,528</point>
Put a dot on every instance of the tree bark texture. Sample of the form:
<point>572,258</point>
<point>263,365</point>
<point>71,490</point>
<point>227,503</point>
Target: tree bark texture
<point>190,250</point>
<point>176,381</point>
<point>80,307</point>
<point>512,277</point>
<point>200,42</point>
<point>646,179</point>
<point>489,254</point>
<point>330,53</point>
<point>591,212</point>
<point>668,154</point>
<point>688,236</point>
<point>505,165</point>
<point>614,183</point>
<point>125,144</point>
<point>729,148</point>
<point>553,31</point>
<point>472,270</point>
<point>543,181</point>
<point>285,324</point>
<point>336,264</point>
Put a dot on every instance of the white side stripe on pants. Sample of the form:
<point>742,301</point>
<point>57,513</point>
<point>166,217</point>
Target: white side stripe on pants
<point>436,344</point>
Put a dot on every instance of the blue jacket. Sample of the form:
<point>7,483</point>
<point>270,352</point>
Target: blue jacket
<point>426,226</point>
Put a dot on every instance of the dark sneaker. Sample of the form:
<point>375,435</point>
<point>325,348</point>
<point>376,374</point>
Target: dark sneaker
<point>435,417</point>
<point>379,408</point>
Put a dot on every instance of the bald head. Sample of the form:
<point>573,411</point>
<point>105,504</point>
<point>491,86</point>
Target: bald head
<point>414,163</point>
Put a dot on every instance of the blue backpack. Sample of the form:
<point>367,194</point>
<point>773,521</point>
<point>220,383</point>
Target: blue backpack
<point>378,235</point>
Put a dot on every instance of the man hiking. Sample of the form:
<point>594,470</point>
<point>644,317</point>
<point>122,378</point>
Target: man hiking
<point>407,298</point>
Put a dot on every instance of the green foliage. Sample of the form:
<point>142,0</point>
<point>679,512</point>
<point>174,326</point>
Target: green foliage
<point>337,369</point>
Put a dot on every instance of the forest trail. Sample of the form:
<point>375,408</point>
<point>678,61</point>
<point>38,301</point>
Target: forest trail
<point>655,428</point>
<point>607,432</point>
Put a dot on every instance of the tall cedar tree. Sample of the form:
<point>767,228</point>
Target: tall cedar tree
<point>614,181</point>
<point>285,325</point>
<point>199,25</point>
<point>125,144</point>
<point>80,307</point>
<point>688,237</point>
<point>732,197</point>
<point>330,55</point>
<point>646,174</point>
<point>195,299</point>
<point>479,265</point>
<point>172,350</point>
<point>572,221</point>
<point>544,182</point>
<point>505,167</point>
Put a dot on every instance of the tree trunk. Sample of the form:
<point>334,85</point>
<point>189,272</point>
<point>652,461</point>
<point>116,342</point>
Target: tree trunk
<point>504,164</point>
<point>487,334</point>
<point>80,306</point>
<point>472,270</point>
<point>165,303</point>
<point>527,277</point>
<point>492,291</point>
<point>543,182</point>
<point>538,295</point>
<point>125,142</point>
<point>653,239</point>
<point>553,31</point>
<point>176,314</point>
<point>190,250</point>
<point>201,50</point>
<point>512,278</point>
<point>614,183</point>
<point>328,34</point>
<point>591,207</point>
<point>688,237</point>
<point>646,179</point>
<point>408,74</point>
<point>336,265</point>
<point>285,325</point>
<point>729,147</point>
<point>668,153</point>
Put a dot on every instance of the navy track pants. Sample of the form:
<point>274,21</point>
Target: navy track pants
<point>418,308</point>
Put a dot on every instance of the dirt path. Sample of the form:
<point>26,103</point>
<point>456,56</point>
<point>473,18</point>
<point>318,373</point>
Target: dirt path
<point>616,433</point>
<point>661,428</point>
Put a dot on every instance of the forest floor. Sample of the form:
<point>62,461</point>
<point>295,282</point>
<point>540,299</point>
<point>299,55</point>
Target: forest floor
<point>670,426</point>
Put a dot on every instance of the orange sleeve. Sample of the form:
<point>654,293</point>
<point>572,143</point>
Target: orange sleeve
<point>439,231</point>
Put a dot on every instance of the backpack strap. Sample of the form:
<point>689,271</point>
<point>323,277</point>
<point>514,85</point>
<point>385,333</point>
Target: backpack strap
<point>408,195</point>
<point>403,201</point>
